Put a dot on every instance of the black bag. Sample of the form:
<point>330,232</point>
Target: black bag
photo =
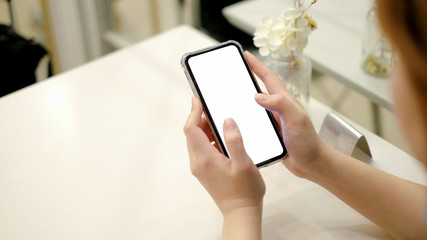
<point>19,59</point>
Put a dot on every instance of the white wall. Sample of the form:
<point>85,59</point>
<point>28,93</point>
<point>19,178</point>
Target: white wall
<point>138,19</point>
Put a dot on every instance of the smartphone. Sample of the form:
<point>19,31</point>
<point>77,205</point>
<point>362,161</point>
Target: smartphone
<point>222,79</point>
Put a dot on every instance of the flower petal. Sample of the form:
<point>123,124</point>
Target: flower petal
<point>301,22</point>
<point>261,32</point>
<point>260,42</point>
<point>278,25</point>
<point>292,13</point>
<point>264,51</point>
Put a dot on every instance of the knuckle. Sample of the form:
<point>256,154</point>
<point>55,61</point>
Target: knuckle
<point>282,101</point>
<point>187,128</point>
<point>234,140</point>
<point>199,166</point>
<point>194,170</point>
<point>281,98</point>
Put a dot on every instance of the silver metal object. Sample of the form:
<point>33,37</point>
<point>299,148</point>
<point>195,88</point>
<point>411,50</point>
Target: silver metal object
<point>343,137</point>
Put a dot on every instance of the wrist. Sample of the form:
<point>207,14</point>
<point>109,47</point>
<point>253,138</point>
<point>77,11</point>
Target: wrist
<point>322,162</point>
<point>243,223</point>
<point>329,167</point>
<point>240,206</point>
<point>253,210</point>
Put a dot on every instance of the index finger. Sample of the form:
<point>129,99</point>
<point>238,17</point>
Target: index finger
<point>196,137</point>
<point>198,142</point>
<point>270,79</point>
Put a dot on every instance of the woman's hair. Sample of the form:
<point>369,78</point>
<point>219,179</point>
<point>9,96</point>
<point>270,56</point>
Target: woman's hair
<point>405,24</point>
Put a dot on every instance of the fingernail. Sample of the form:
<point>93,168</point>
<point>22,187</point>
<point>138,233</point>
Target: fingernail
<point>261,97</point>
<point>229,124</point>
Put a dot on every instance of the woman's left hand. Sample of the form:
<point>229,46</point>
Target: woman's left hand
<point>234,183</point>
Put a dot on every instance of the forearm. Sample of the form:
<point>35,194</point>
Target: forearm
<point>243,223</point>
<point>396,205</point>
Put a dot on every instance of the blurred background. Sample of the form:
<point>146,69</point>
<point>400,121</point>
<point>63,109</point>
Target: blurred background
<point>77,31</point>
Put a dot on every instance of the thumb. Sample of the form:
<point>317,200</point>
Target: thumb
<point>233,140</point>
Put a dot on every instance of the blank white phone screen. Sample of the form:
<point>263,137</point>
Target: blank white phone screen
<point>228,91</point>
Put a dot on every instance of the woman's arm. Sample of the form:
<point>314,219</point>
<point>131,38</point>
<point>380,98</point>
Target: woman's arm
<point>394,204</point>
<point>243,223</point>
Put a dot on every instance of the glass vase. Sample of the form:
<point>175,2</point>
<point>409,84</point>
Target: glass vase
<point>377,53</point>
<point>295,73</point>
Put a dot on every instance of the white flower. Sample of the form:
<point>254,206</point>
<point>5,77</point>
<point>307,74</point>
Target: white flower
<point>285,35</point>
<point>268,37</point>
<point>291,14</point>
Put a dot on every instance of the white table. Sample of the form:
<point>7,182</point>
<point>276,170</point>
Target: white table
<point>334,48</point>
<point>98,153</point>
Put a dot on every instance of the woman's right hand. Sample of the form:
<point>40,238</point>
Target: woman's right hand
<point>305,148</point>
